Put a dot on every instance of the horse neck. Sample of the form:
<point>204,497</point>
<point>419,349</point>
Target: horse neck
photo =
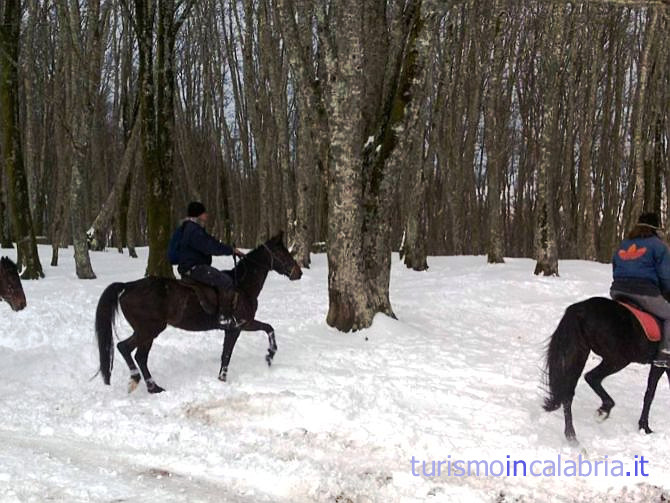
<point>252,272</point>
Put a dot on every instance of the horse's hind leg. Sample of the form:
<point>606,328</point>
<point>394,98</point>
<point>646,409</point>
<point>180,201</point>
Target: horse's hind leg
<point>569,427</point>
<point>655,374</point>
<point>595,378</point>
<point>142,357</point>
<point>126,347</point>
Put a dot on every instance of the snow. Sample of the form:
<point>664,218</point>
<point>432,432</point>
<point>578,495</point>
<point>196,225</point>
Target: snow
<point>337,418</point>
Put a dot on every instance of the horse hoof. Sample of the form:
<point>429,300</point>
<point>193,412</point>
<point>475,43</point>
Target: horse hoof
<point>602,415</point>
<point>268,359</point>
<point>645,428</point>
<point>154,388</point>
<point>222,377</point>
<point>132,385</point>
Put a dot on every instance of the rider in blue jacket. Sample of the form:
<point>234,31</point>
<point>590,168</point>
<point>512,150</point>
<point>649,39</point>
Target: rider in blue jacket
<point>641,270</point>
<point>195,260</point>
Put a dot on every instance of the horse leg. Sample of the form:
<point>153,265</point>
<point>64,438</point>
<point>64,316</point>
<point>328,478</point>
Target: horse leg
<point>126,347</point>
<point>142,356</point>
<point>228,345</point>
<point>655,374</point>
<point>569,427</point>
<point>254,325</point>
<point>595,378</point>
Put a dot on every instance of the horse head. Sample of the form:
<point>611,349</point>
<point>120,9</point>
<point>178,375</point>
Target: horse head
<point>281,259</point>
<point>11,290</point>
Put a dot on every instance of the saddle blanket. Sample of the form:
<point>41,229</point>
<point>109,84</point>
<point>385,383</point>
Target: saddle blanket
<point>649,323</point>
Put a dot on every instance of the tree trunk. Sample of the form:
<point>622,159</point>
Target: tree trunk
<point>640,143</point>
<point>10,24</point>
<point>159,21</point>
<point>135,180</point>
<point>546,248</point>
<point>496,137</point>
<point>586,245</point>
<point>362,181</point>
<point>5,238</point>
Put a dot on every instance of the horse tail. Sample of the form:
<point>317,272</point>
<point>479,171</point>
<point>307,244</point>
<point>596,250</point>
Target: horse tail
<point>105,314</point>
<point>566,356</point>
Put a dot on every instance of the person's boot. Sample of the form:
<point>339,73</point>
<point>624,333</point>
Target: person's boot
<point>662,358</point>
<point>227,305</point>
<point>663,354</point>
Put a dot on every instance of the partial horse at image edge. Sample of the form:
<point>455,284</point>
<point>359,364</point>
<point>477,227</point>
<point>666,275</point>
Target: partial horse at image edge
<point>11,289</point>
<point>611,331</point>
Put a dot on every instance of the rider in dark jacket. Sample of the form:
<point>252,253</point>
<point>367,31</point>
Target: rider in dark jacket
<point>195,260</point>
<point>641,270</point>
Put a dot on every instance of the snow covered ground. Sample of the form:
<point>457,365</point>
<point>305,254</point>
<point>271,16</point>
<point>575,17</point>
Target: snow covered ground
<point>337,418</point>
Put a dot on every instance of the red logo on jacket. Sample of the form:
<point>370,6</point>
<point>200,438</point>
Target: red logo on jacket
<point>632,253</point>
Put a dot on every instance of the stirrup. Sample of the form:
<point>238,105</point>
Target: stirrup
<point>230,322</point>
<point>662,363</point>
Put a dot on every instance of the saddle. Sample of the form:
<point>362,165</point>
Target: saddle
<point>207,295</point>
<point>649,323</point>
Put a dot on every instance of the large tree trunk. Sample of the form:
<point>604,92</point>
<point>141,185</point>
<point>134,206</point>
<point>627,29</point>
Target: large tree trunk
<point>347,290</point>
<point>363,136</point>
<point>19,200</point>
<point>160,21</point>
<point>311,135</point>
<point>415,153</point>
<point>495,151</point>
<point>639,125</point>
<point>546,247</point>
<point>84,49</point>
<point>586,244</point>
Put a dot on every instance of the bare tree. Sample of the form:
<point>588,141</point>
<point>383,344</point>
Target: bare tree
<point>10,26</point>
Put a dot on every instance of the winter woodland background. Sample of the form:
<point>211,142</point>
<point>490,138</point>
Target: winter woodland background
<point>513,129</point>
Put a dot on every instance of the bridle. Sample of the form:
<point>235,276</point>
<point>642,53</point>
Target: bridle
<point>283,264</point>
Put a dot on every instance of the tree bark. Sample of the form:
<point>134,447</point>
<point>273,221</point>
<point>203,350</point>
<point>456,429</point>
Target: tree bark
<point>496,137</point>
<point>27,257</point>
<point>84,48</point>
<point>546,247</point>
<point>362,181</point>
<point>639,142</point>
<point>160,21</point>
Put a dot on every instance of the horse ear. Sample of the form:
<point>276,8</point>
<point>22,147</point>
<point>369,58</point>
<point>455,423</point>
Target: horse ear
<point>279,238</point>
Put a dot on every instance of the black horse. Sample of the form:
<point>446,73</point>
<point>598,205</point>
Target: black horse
<point>11,290</point>
<point>150,304</point>
<point>609,330</point>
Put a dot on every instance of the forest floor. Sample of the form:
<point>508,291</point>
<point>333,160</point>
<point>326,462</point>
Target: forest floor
<point>338,417</point>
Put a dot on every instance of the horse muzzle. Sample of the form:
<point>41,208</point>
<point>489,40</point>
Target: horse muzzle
<point>296,273</point>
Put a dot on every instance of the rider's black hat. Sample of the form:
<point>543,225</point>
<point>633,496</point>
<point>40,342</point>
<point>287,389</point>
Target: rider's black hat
<point>650,219</point>
<point>195,209</point>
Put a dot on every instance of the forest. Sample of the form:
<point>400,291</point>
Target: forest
<point>357,127</point>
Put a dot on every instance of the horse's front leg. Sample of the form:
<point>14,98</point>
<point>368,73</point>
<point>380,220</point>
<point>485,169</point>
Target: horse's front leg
<point>254,325</point>
<point>228,345</point>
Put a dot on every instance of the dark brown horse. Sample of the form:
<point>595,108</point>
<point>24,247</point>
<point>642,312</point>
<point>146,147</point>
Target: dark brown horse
<point>150,304</point>
<point>609,330</point>
<point>11,290</point>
